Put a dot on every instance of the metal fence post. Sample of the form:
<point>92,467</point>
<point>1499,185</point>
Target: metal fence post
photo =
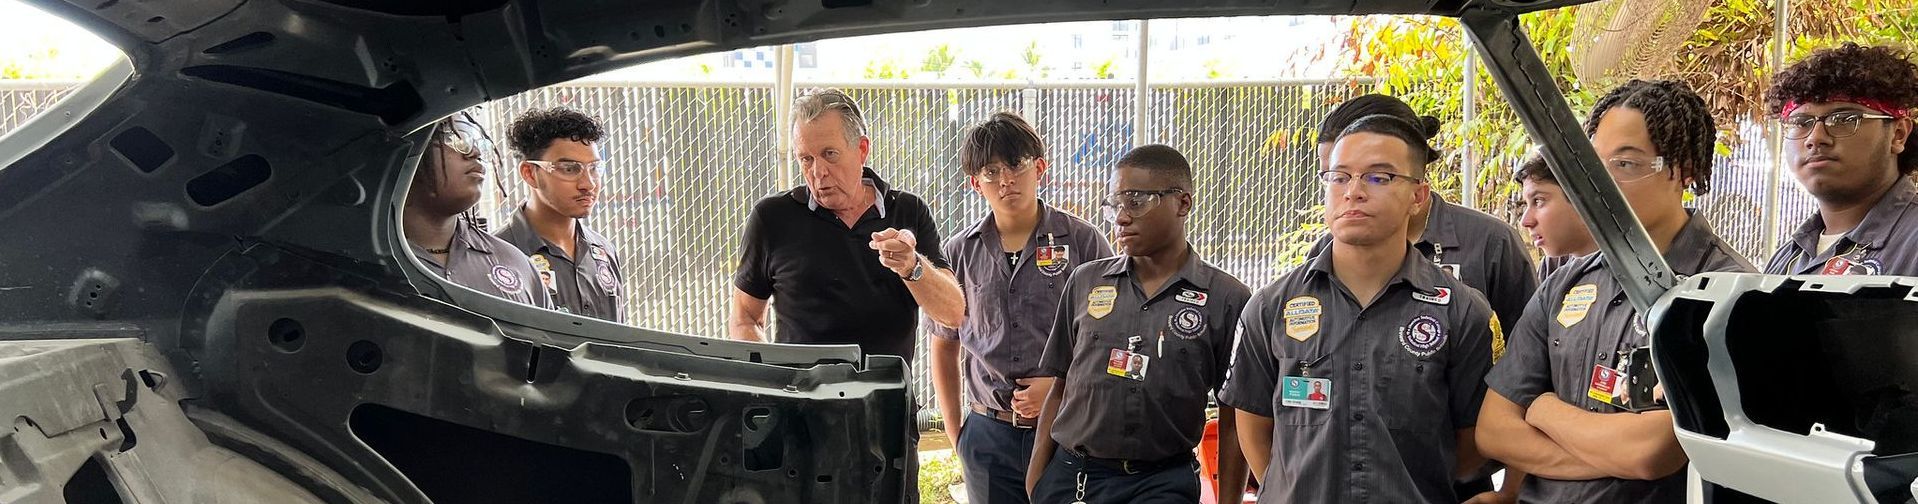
<point>783,112</point>
<point>1142,102</point>
<point>1775,136</point>
<point>1468,169</point>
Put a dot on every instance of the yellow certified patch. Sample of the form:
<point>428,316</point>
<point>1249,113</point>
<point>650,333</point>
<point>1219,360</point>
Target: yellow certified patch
<point>1302,317</point>
<point>1099,302</point>
<point>540,262</point>
<point>1578,302</point>
<point>1498,339</point>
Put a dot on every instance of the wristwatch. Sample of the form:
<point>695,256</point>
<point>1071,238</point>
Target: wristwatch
<point>918,268</point>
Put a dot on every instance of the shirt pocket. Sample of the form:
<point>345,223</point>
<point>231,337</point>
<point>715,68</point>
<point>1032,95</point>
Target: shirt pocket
<point>1413,390</point>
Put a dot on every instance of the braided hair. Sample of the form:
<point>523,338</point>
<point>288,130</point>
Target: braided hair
<point>1680,125</point>
<point>428,175</point>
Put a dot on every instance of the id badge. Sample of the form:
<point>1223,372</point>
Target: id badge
<point>1046,257</point>
<point>1127,364</point>
<point>1303,392</point>
<point>1605,384</point>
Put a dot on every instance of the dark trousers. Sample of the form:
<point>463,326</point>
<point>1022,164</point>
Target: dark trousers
<point>1176,483</point>
<point>995,455</point>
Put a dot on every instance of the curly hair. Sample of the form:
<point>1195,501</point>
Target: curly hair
<point>1680,125</point>
<point>536,130</point>
<point>1881,73</point>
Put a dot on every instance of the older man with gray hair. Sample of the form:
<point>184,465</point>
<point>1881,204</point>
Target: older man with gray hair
<point>849,258</point>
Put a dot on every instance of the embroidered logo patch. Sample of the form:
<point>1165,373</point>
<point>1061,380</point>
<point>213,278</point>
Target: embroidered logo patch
<point>1191,297</point>
<point>1498,339</point>
<point>1302,317</point>
<point>507,280</point>
<point>1099,301</point>
<point>1188,322</point>
<point>1577,303</point>
<point>1423,336</point>
<point>1442,296</point>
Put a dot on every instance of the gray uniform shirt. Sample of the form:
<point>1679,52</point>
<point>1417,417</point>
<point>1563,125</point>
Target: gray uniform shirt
<point>486,264</point>
<point>589,285</point>
<point>1885,243</point>
<point>1487,253</point>
<point>1407,372</point>
<point>1581,319</point>
<point>1185,333</point>
<point>1009,308</point>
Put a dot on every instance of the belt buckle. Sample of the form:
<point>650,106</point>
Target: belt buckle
<point>1126,465</point>
<point>1019,422</point>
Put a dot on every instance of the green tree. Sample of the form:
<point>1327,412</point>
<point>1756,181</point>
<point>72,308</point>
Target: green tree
<point>978,69</point>
<point>1032,58</point>
<point>938,60</point>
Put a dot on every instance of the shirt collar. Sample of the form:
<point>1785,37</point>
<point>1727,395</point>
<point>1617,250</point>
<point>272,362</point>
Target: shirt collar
<point>1438,224</point>
<point>1423,279</point>
<point>465,234</point>
<point>1872,232</point>
<point>1049,223</point>
<point>882,192</point>
<point>520,234</point>
<point>1690,250</point>
<point>1191,272</point>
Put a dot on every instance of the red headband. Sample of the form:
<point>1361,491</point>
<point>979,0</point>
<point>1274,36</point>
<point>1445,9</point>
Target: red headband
<point>1874,104</point>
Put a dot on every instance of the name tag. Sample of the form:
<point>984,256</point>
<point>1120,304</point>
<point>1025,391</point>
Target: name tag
<point>1605,383</point>
<point>1127,364</point>
<point>1303,392</point>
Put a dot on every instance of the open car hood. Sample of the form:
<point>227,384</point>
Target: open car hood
<point>207,298</point>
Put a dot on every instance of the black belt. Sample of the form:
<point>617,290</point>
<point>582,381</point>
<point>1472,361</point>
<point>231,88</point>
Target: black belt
<point>1132,466</point>
<point>1005,416</point>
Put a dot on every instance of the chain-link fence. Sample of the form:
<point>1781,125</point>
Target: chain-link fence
<point>687,162</point>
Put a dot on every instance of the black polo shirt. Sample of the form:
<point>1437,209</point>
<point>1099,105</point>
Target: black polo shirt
<point>826,283</point>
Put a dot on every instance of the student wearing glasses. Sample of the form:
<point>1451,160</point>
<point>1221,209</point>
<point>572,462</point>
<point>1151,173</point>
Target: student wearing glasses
<point>1357,378</point>
<point>1552,411</point>
<point>559,160</point>
<point>1847,115</point>
<point>1138,345</point>
<point>1012,264</point>
<point>440,227</point>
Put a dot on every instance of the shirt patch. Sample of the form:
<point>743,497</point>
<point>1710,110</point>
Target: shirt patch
<point>507,280</point>
<point>1302,317</point>
<point>1099,302</point>
<point>607,280</point>
<point>1422,336</point>
<point>1442,297</point>
<point>1188,322</point>
<point>1052,260</point>
<point>1577,303</point>
<point>544,268</point>
<point>1842,265</point>
<point>1498,339</point>
<point>1191,297</point>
